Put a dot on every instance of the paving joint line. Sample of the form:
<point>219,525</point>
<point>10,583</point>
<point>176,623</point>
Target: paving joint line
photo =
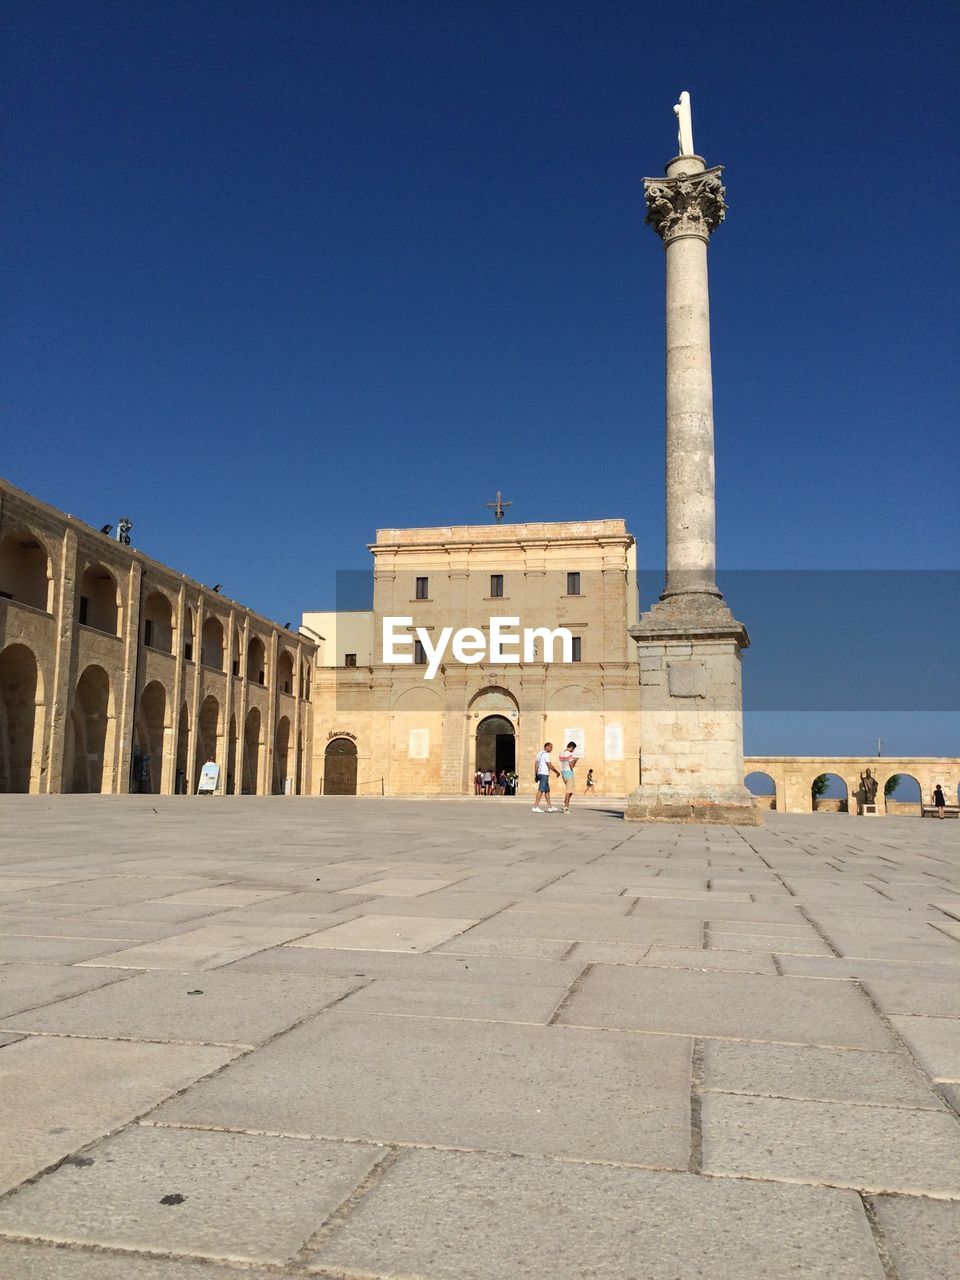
<point>697,1069</point>
<point>571,991</point>
<point>335,1220</point>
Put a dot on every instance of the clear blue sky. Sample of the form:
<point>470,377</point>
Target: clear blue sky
<point>279,273</point>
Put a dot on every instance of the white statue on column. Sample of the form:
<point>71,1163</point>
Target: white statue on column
<point>685,123</point>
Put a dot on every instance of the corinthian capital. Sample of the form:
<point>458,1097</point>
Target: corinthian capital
<point>689,205</point>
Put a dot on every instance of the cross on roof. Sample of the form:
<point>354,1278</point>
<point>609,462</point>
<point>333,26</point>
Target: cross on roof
<point>499,507</point>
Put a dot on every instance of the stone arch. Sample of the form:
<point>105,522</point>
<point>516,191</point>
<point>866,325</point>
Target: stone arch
<point>230,785</point>
<point>149,738</point>
<point>493,698</point>
<point>419,698</point>
<point>906,798</point>
<point>211,647</point>
<point>281,755</point>
<point>340,768</point>
<point>285,671</point>
<point>183,748</point>
<point>763,786</point>
<point>88,758</point>
<point>209,735</point>
<point>256,661</point>
<point>252,747</point>
<point>157,622</point>
<point>836,797</point>
<point>98,604</point>
<point>575,697</point>
<point>21,720</point>
<point>26,573</point>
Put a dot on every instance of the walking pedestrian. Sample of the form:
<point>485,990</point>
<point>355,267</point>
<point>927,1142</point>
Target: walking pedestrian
<point>568,762</point>
<point>591,785</point>
<point>542,769</point>
<point>939,799</point>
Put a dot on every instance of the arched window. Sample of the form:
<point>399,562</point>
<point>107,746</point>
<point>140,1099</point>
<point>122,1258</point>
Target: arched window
<point>99,600</point>
<point>211,654</point>
<point>285,672</point>
<point>158,622</point>
<point>25,574</point>
<point>256,661</point>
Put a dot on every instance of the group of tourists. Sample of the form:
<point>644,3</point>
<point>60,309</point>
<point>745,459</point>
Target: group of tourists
<point>487,782</point>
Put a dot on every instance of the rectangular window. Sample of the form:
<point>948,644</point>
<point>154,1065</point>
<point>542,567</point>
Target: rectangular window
<point>148,632</point>
<point>260,677</point>
<point>573,584</point>
<point>349,659</point>
<point>419,654</point>
<point>496,585</point>
<point>576,648</point>
<point>236,666</point>
<point>423,589</point>
<point>84,609</point>
<point>188,650</point>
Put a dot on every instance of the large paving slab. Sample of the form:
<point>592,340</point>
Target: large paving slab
<point>739,1006</point>
<point>484,1218</point>
<point>565,1048</point>
<point>597,1096</point>
<point>58,1094</point>
<point>221,1007</point>
<point>241,1198</point>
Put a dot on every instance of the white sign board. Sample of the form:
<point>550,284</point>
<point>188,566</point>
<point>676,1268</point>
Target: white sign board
<point>573,735</point>
<point>418,744</point>
<point>613,742</point>
<point>209,779</point>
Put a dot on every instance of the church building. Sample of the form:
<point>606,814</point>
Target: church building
<point>383,726</point>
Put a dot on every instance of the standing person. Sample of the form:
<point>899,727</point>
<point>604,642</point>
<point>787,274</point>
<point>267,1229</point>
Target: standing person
<point>591,785</point>
<point>939,799</point>
<point>502,782</point>
<point>542,768</point>
<point>477,783</point>
<point>568,762</point>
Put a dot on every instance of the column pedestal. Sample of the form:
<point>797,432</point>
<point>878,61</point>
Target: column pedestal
<point>691,719</point>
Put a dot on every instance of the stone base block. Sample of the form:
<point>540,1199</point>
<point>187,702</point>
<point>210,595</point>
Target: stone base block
<point>738,815</point>
<point>652,804</point>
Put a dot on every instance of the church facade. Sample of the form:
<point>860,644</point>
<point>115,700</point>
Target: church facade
<point>384,727</point>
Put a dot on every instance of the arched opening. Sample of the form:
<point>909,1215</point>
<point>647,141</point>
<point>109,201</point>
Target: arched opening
<point>340,768</point>
<point>281,756</point>
<point>256,661</point>
<point>828,793</point>
<point>496,745</point>
<point>902,795</point>
<point>208,734</point>
<point>763,788</point>
<point>87,739</point>
<point>251,753</point>
<point>231,764</point>
<point>188,634</point>
<point>183,746</point>
<point>211,649</point>
<point>285,672</point>
<point>148,739</point>
<point>158,622</point>
<point>25,574</point>
<point>21,721</point>
<point>235,659</point>
<point>99,602</point>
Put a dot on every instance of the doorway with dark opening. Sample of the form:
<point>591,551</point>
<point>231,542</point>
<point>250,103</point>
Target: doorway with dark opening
<point>496,745</point>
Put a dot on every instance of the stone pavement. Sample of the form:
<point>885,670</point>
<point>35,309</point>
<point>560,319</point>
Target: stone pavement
<point>452,1039</point>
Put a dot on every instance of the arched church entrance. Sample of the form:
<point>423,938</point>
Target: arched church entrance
<point>496,744</point>
<point>340,768</point>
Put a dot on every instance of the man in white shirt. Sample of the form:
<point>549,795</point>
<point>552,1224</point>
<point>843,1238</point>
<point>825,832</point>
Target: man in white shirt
<point>543,768</point>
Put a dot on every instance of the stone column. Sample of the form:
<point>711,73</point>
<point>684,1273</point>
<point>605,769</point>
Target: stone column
<point>685,211</point>
<point>688,645</point>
